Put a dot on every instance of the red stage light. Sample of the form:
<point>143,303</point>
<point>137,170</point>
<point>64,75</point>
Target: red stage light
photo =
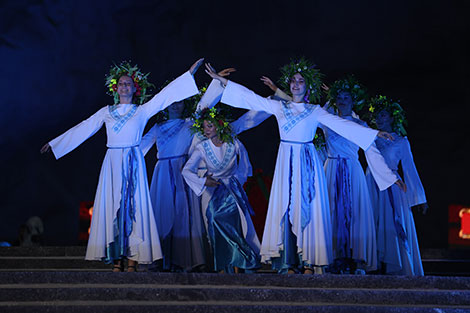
<point>459,225</point>
<point>465,222</point>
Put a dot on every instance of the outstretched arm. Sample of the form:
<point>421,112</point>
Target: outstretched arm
<point>248,120</point>
<point>179,89</point>
<point>268,82</point>
<point>193,69</point>
<point>277,92</point>
<point>214,91</point>
<point>76,135</point>
<point>360,135</point>
<point>211,72</point>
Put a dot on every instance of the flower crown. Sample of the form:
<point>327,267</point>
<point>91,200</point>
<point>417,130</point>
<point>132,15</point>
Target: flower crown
<point>312,76</point>
<point>380,103</point>
<point>351,85</point>
<point>141,84</point>
<point>219,117</point>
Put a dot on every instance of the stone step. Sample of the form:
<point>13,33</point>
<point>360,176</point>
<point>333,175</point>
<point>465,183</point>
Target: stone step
<point>182,293</point>
<point>436,262</point>
<point>214,307</point>
<point>202,292</point>
<point>255,280</point>
<point>44,251</point>
<point>47,262</point>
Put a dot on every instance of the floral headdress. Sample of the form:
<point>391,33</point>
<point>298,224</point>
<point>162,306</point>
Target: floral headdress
<point>351,85</point>
<point>141,83</point>
<point>312,76</point>
<point>380,103</point>
<point>219,117</point>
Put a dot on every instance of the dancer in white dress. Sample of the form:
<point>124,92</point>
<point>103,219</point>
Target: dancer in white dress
<point>298,226</point>
<point>123,225</point>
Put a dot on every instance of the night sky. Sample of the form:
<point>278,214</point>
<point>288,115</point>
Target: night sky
<point>55,54</point>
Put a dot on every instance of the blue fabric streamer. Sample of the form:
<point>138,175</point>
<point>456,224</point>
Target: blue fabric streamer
<point>307,170</point>
<point>343,208</point>
<point>126,212</point>
<point>401,233</point>
<point>307,174</point>
<point>288,259</point>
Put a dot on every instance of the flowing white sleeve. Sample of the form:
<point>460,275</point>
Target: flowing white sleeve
<point>179,89</point>
<point>78,134</point>
<point>383,175</point>
<point>281,94</point>
<point>360,135</point>
<point>149,139</point>
<point>212,95</point>
<point>415,191</point>
<point>190,171</point>
<point>248,120</point>
<point>241,97</point>
<point>244,166</point>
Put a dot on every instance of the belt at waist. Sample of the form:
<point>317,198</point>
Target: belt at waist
<point>297,142</point>
<point>124,147</point>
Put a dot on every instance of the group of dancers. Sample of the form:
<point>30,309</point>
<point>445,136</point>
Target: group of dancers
<point>324,214</point>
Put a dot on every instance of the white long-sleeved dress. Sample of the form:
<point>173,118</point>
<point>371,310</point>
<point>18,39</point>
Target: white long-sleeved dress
<point>123,223</point>
<point>299,185</point>
<point>225,208</point>
<point>397,241</point>
<point>354,233</point>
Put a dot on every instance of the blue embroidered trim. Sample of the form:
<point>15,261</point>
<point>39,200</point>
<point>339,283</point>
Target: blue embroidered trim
<point>292,119</point>
<point>168,130</point>
<point>121,120</point>
<point>211,155</point>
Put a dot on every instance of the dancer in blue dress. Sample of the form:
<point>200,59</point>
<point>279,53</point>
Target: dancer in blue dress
<point>397,241</point>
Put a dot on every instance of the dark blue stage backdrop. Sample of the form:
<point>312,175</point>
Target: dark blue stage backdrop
<point>54,55</point>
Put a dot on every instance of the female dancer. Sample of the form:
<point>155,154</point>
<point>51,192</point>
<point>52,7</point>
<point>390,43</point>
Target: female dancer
<point>123,225</point>
<point>298,228</point>
<point>231,232</point>
<point>354,237</point>
<point>397,242</point>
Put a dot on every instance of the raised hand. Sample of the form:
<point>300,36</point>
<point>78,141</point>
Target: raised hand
<point>268,82</point>
<point>211,72</point>
<point>226,72</point>
<point>325,87</point>
<point>195,66</point>
<point>45,148</point>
